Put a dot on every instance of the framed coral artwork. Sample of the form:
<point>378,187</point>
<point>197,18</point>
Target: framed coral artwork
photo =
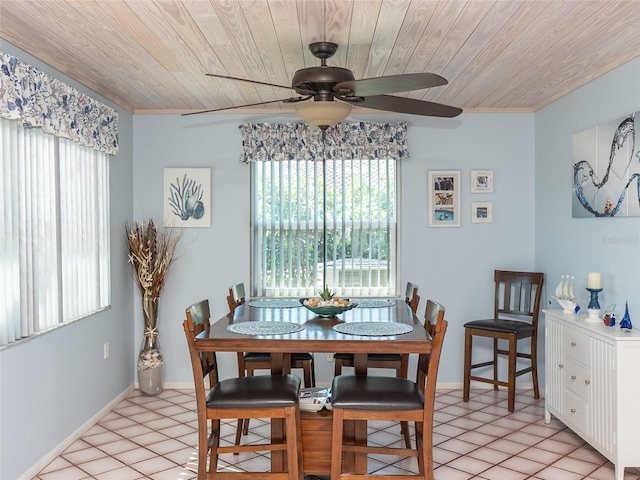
<point>187,197</point>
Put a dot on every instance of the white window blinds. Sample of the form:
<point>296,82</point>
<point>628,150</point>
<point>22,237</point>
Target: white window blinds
<point>317,223</point>
<point>55,226</point>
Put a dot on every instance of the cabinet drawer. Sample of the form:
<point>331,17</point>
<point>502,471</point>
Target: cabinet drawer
<point>575,411</point>
<point>576,346</point>
<point>576,379</point>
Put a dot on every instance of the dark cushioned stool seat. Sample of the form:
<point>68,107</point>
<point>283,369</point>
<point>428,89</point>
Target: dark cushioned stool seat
<point>370,392</point>
<point>260,391</point>
<point>505,326</point>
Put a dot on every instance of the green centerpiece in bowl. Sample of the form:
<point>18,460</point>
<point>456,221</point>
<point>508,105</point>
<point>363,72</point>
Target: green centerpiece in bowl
<point>328,305</point>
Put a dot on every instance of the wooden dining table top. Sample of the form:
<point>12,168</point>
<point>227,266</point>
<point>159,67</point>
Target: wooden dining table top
<point>317,334</point>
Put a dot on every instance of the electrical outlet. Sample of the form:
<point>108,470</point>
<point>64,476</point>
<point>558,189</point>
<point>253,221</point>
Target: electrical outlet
<point>106,350</point>
<point>329,357</point>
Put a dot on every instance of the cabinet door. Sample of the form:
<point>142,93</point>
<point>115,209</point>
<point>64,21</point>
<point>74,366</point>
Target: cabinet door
<point>554,358</point>
<point>602,405</point>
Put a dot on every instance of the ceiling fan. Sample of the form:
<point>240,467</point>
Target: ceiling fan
<point>333,92</point>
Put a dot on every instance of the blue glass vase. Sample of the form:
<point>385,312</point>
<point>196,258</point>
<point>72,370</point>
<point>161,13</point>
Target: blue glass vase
<point>626,320</point>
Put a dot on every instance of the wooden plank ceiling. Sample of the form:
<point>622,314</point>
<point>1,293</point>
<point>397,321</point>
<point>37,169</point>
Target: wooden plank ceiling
<point>151,56</point>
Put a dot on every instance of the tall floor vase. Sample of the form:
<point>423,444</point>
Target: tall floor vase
<point>150,363</point>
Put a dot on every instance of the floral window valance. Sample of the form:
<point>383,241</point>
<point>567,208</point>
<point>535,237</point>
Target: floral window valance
<point>39,100</point>
<point>264,142</point>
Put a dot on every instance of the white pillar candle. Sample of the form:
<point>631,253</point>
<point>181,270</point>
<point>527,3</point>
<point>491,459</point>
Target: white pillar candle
<point>594,281</point>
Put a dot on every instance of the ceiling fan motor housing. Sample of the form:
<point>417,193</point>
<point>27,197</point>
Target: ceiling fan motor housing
<point>320,79</point>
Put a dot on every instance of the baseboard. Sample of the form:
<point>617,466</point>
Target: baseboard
<point>62,446</point>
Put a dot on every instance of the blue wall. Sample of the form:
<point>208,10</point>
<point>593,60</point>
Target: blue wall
<point>50,385</point>
<point>451,265</point>
<point>577,246</point>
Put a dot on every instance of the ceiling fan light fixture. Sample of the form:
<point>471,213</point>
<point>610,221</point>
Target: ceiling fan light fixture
<point>323,114</point>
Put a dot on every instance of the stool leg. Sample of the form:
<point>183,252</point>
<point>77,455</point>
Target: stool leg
<point>312,367</point>
<point>336,447</point>
<point>466,380</point>
<point>495,364</point>
<point>294,443</point>
<point>306,367</point>
<point>534,366</point>
<point>511,394</point>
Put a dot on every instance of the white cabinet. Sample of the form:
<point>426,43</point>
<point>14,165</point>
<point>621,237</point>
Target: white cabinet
<point>592,378</point>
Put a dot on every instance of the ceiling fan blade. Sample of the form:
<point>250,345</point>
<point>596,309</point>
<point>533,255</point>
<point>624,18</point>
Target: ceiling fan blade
<point>390,84</point>
<point>409,105</point>
<point>288,87</point>
<point>283,100</point>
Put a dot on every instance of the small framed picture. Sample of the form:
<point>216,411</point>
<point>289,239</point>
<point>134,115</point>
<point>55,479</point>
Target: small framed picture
<point>481,212</point>
<point>481,181</point>
<point>187,197</point>
<point>444,198</point>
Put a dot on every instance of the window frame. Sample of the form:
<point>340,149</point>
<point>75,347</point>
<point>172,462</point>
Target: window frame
<point>39,312</point>
<point>258,290</point>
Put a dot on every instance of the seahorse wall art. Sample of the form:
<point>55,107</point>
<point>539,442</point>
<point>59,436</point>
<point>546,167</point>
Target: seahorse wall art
<point>606,171</point>
<point>187,196</point>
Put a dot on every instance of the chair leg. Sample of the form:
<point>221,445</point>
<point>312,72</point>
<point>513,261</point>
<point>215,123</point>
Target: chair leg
<point>466,380</point>
<point>534,366</point>
<point>312,367</point>
<point>511,376</point>
<point>203,449</point>
<point>337,368</point>
<point>213,456</point>
<point>404,428</point>
<point>403,372</point>
<point>239,429</point>
<point>294,443</point>
<point>306,368</point>
<point>336,447</point>
<point>495,364</point>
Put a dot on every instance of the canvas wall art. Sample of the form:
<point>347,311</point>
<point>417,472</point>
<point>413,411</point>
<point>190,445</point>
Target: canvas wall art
<point>606,171</point>
<point>187,197</point>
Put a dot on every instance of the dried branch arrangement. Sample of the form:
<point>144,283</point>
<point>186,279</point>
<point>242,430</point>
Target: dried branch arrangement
<point>151,253</point>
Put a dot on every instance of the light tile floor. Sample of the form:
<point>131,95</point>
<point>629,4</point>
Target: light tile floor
<point>155,438</point>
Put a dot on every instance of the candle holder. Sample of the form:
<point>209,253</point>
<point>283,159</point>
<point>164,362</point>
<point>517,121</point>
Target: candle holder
<point>594,306</point>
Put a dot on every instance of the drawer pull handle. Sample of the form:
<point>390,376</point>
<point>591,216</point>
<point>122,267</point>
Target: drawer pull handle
<point>573,410</point>
<point>587,382</point>
<point>561,365</point>
<point>573,344</point>
<point>573,377</point>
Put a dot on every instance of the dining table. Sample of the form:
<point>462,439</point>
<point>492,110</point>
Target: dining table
<point>285,326</point>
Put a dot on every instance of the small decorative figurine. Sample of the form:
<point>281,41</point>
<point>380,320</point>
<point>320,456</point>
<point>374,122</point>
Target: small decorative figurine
<point>564,295</point>
<point>625,323</point>
<point>609,319</point>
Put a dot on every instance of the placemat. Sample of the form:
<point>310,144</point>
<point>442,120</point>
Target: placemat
<point>370,303</point>
<point>373,329</point>
<point>274,303</point>
<point>264,328</point>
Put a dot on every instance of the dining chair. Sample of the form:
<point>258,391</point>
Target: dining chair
<point>249,362</point>
<point>370,397</point>
<point>262,396</point>
<point>515,317</point>
<point>395,361</point>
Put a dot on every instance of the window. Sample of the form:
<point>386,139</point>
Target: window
<point>327,222</point>
<point>55,231</point>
